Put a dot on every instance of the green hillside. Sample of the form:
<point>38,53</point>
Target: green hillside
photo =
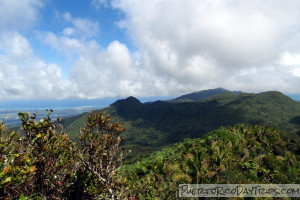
<point>201,95</point>
<point>158,124</point>
<point>242,154</point>
<point>42,163</point>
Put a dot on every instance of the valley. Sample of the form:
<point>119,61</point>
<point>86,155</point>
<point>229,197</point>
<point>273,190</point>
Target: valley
<point>146,149</point>
<point>154,125</point>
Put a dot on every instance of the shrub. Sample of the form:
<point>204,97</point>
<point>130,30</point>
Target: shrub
<point>39,162</point>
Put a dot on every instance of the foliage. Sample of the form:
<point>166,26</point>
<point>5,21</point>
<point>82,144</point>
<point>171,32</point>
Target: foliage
<point>201,95</point>
<point>159,124</point>
<point>101,154</point>
<point>39,162</point>
<point>240,154</point>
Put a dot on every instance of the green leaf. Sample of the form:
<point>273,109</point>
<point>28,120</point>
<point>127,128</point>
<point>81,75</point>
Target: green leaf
<point>8,179</point>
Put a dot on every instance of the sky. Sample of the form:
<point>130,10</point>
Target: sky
<point>58,49</point>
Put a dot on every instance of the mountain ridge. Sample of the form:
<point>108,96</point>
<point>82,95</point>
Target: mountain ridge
<point>161,123</point>
<point>201,95</point>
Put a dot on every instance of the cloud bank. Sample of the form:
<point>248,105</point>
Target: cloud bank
<point>233,44</point>
<point>181,46</point>
<point>18,15</point>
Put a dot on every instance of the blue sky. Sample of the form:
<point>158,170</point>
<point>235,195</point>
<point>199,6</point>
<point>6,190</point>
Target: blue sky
<point>103,15</point>
<point>57,49</point>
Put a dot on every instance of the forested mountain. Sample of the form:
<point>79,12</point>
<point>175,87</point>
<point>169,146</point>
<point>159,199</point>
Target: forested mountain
<point>42,162</point>
<point>161,123</point>
<point>201,95</point>
<point>234,155</point>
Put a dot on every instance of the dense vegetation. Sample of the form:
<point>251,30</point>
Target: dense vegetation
<point>240,154</point>
<point>42,163</point>
<point>201,95</point>
<point>152,126</point>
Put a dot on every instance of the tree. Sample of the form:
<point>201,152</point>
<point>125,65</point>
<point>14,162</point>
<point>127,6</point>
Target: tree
<point>101,155</point>
<point>41,162</point>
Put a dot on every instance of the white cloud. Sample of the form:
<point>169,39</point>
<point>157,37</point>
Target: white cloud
<point>182,46</point>
<point>212,43</point>
<point>22,76</point>
<point>109,72</point>
<point>273,77</point>
<point>100,72</point>
<point>15,46</point>
<point>68,45</point>
<point>81,27</point>
<point>99,3</point>
<point>97,72</point>
<point>291,63</point>
<point>18,15</point>
<point>68,31</point>
<point>74,40</point>
<point>290,59</point>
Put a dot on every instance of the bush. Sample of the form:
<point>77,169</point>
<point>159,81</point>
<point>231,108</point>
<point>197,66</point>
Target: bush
<point>39,162</point>
<point>241,154</point>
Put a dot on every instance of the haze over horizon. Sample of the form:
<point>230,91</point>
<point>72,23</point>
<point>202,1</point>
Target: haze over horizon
<point>51,49</point>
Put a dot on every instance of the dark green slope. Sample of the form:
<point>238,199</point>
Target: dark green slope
<point>242,154</point>
<point>72,125</point>
<point>201,95</point>
<point>161,123</point>
<point>267,108</point>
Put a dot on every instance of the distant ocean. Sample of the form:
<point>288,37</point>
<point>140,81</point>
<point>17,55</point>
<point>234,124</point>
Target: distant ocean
<point>64,108</point>
<point>69,103</point>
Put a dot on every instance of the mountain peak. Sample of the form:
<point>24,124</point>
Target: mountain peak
<point>132,99</point>
<point>275,96</point>
<point>201,95</point>
<point>128,101</point>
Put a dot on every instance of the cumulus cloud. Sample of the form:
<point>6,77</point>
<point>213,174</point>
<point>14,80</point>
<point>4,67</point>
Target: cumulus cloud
<point>238,45</point>
<point>95,71</point>
<point>18,15</point>
<point>181,46</point>
<point>81,27</point>
<point>22,74</point>
<point>215,43</point>
<point>25,77</point>
<point>72,40</point>
<point>105,73</point>
<point>67,45</point>
<point>15,46</point>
